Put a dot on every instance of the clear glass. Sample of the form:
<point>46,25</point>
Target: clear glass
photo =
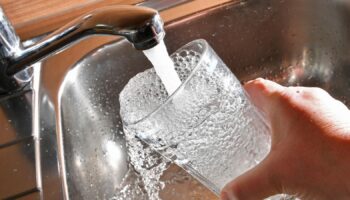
<point>207,126</point>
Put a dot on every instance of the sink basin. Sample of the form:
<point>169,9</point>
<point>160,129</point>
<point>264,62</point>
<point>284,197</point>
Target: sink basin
<point>83,146</point>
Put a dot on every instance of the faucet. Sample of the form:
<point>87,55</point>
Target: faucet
<point>141,26</point>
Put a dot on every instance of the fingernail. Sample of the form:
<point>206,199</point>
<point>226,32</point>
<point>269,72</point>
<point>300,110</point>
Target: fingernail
<point>260,79</point>
<point>228,196</point>
<point>249,81</point>
<point>257,79</point>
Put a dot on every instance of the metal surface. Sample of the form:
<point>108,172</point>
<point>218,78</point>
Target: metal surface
<point>293,42</point>
<point>21,118</point>
<point>162,5</point>
<point>141,26</point>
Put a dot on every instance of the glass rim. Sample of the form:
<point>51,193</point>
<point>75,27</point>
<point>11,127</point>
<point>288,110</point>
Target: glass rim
<point>168,100</point>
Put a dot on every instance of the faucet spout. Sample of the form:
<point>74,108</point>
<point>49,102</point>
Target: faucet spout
<point>141,26</point>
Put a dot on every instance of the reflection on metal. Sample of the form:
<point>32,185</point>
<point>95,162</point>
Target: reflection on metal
<point>35,126</point>
<point>286,41</point>
<point>162,5</point>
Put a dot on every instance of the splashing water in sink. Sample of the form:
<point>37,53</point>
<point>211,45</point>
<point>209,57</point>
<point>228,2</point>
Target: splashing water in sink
<point>148,163</point>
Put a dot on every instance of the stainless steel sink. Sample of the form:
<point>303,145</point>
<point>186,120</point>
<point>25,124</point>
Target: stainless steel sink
<point>83,152</point>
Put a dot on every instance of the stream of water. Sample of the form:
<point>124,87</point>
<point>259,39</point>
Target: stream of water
<point>164,67</point>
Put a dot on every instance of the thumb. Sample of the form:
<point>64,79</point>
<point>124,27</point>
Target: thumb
<point>257,183</point>
<point>264,94</point>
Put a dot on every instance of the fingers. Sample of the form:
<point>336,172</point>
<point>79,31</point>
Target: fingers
<point>257,183</point>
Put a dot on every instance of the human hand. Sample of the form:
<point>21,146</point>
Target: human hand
<point>310,150</point>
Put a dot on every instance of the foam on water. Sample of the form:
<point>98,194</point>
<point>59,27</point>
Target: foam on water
<point>145,92</point>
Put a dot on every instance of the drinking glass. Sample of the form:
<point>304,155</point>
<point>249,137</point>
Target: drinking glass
<point>208,126</point>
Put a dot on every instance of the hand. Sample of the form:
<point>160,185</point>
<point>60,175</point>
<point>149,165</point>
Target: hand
<point>310,150</point>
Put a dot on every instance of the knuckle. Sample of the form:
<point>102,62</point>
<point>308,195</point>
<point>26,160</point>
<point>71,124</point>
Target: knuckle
<point>233,188</point>
<point>260,83</point>
<point>315,93</point>
<point>283,97</point>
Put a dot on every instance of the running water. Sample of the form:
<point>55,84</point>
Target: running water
<point>148,163</point>
<point>164,67</point>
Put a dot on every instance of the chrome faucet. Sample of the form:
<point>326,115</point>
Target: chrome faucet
<point>141,26</point>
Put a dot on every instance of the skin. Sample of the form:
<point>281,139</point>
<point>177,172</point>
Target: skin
<point>310,151</point>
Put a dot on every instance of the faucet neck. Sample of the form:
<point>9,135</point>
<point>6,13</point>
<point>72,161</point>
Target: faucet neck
<point>141,26</point>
